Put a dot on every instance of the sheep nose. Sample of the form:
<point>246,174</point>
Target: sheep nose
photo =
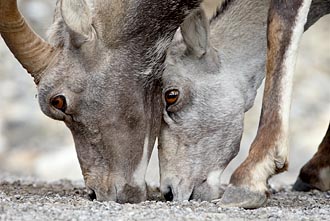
<point>168,195</point>
<point>91,194</point>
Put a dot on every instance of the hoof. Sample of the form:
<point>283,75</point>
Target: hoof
<point>242,197</point>
<point>300,185</point>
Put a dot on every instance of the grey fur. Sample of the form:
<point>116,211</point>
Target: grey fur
<point>194,33</point>
<point>107,66</point>
<point>201,133</point>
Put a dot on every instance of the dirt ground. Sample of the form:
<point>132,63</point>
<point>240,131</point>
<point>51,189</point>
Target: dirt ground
<point>30,199</point>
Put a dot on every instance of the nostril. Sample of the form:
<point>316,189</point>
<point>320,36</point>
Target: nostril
<point>91,194</point>
<point>168,195</point>
<point>191,197</point>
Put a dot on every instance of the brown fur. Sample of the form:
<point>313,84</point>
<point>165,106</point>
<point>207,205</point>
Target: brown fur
<point>280,22</point>
<point>309,173</point>
<point>269,147</point>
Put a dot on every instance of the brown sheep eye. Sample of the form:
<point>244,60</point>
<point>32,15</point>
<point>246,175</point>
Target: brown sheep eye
<point>171,96</point>
<point>59,102</point>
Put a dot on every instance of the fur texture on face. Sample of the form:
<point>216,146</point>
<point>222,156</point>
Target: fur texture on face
<point>104,83</point>
<point>217,71</point>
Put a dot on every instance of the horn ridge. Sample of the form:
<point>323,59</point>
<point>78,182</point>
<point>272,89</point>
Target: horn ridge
<point>30,50</point>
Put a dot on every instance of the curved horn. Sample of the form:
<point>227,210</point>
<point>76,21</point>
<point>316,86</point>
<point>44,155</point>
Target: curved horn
<point>30,50</point>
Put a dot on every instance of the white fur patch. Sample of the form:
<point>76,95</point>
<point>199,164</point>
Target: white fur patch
<point>325,178</point>
<point>287,80</point>
<point>261,173</point>
<point>214,182</point>
<point>290,62</point>
<point>213,178</point>
<point>140,172</point>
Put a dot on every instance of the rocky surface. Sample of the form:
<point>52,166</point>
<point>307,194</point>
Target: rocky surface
<point>29,199</point>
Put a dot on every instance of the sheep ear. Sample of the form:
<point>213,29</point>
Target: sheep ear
<point>77,16</point>
<point>195,33</point>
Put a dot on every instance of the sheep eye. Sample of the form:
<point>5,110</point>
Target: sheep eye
<point>59,102</point>
<point>171,96</point>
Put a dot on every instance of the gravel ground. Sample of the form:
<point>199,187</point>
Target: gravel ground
<point>30,199</point>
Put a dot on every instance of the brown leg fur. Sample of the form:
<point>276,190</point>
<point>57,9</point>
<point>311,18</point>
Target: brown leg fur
<point>268,152</point>
<point>315,174</point>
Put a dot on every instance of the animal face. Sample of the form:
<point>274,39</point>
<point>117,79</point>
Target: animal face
<point>113,114</point>
<point>109,124</point>
<point>202,118</point>
<point>100,75</point>
<point>208,85</point>
<point>200,134</point>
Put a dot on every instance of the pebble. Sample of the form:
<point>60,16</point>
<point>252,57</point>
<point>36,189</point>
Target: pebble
<point>21,200</point>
